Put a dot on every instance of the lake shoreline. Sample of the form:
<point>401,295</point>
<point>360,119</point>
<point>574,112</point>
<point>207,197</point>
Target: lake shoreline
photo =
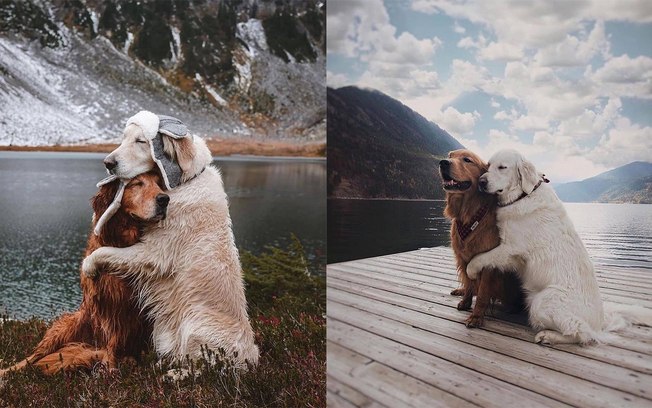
<point>218,147</point>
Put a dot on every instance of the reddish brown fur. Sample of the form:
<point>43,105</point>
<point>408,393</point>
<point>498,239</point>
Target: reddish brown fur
<point>108,325</point>
<point>491,284</point>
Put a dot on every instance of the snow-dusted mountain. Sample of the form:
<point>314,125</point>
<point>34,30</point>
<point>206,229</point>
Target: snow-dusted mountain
<point>74,71</point>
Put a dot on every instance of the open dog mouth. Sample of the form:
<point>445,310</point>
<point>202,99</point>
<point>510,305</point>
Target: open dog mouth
<point>456,185</point>
<point>452,184</point>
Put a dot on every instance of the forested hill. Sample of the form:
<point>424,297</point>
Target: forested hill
<point>380,148</point>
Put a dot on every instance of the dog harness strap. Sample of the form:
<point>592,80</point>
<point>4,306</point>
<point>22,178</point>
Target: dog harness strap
<point>464,230</point>
<point>522,196</point>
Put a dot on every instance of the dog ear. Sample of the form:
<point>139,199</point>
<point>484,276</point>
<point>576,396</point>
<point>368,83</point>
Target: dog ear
<point>528,176</point>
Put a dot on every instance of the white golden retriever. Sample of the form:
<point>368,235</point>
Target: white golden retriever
<point>539,242</point>
<point>186,269</point>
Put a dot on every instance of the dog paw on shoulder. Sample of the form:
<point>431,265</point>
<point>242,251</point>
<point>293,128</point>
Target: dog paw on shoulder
<point>89,267</point>
<point>473,269</point>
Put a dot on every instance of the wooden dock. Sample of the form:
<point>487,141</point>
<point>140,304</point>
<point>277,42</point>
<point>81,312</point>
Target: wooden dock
<point>396,339</point>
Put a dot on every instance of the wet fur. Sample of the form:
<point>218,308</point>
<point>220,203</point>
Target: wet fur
<point>187,269</point>
<point>491,285</point>
<point>108,325</point>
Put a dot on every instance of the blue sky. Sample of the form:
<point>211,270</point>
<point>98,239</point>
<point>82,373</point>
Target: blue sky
<point>568,83</point>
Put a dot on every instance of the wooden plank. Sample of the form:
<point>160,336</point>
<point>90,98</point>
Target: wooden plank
<point>428,268</point>
<point>602,373</point>
<point>631,359</point>
<point>410,271</point>
<point>339,394</point>
<point>396,315</point>
<point>537,379</point>
<point>455,379</point>
<point>643,334</point>
<point>639,343</point>
<point>344,395</point>
<point>443,270</point>
<point>444,256</point>
<point>380,381</point>
<point>605,294</point>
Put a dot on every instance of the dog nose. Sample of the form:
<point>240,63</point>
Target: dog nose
<point>162,200</point>
<point>444,163</point>
<point>110,163</point>
<point>482,182</point>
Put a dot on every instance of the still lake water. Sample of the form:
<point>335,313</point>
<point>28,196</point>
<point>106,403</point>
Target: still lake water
<point>614,234</point>
<point>45,218</point>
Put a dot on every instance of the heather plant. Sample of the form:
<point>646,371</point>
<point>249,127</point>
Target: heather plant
<point>287,306</point>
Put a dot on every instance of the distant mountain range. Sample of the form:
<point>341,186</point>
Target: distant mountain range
<point>631,183</point>
<point>380,148</point>
<point>73,71</point>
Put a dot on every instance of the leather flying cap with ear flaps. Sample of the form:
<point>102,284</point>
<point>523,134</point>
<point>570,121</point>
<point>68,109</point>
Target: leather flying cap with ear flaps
<point>170,169</point>
<point>172,127</point>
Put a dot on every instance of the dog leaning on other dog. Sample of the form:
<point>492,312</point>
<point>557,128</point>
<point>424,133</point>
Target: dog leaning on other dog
<point>473,230</point>
<point>186,269</point>
<point>539,242</point>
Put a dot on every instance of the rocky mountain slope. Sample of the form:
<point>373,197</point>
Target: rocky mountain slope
<point>631,183</point>
<point>73,71</point>
<point>380,148</point>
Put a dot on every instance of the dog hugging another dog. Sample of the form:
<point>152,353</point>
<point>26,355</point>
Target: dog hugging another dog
<point>512,237</point>
<point>173,249</point>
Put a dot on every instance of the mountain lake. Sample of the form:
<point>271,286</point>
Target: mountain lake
<point>45,219</point>
<point>614,234</point>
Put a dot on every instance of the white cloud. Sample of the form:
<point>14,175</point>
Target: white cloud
<point>455,122</point>
<point>396,64</point>
<point>573,51</point>
<point>500,51</point>
<point>334,80</point>
<point>562,85</point>
<point>624,143</point>
<point>537,24</point>
<point>624,69</point>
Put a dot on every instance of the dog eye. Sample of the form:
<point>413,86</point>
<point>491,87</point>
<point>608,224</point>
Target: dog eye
<point>141,141</point>
<point>501,167</point>
<point>466,159</point>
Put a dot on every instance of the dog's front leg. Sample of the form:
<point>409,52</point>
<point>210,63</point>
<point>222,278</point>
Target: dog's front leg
<point>127,261</point>
<point>497,258</point>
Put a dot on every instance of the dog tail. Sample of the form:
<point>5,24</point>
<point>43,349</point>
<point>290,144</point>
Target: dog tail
<point>619,316</point>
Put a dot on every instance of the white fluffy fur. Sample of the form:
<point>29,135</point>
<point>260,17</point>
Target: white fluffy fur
<point>539,242</point>
<point>147,121</point>
<point>187,271</point>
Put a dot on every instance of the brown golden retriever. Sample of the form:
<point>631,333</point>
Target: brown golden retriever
<point>473,231</point>
<point>108,325</point>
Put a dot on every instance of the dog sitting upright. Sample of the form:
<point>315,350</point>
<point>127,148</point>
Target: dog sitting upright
<point>473,231</point>
<point>108,325</point>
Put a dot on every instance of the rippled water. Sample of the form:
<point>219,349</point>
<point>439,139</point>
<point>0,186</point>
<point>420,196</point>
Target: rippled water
<point>614,234</point>
<point>45,219</point>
